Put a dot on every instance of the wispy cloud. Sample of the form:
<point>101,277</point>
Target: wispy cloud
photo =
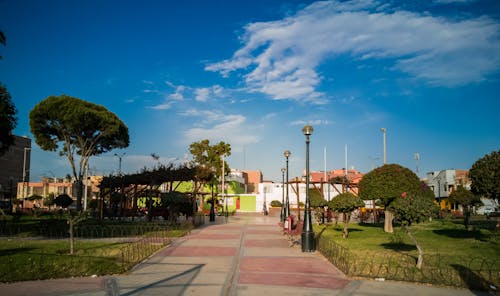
<point>205,93</point>
<point>178,95</point>
<point>280,58</point>
<point>453,1</point>
<point>217,126</point>
<point>162,106</point>
<point>311,122</point>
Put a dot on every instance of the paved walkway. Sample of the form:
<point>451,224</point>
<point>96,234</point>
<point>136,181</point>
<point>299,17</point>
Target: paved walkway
<point>246,256</point>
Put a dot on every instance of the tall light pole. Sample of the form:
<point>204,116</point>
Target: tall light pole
<point>24,173</point>
<point>120,156</point>
<point>287,154</point>
<point>417,158</point>
<point>282,213</point>
<point>223,194</point>
<point>308,242</point>
<point>384,130</point>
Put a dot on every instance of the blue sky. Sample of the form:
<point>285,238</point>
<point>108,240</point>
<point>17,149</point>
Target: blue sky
<point>253,73</point>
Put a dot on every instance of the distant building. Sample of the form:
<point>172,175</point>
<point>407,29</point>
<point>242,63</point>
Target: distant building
<point>254,178</point>
<point>12,163</point>
<point>56,186</point>
<point>444,182</point>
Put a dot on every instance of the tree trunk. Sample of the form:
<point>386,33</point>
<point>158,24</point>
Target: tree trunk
<point>79,191</point>
<point>420,259</point>
<point>345,234</point>
<point>71,236</point>
<point>467,217</point>
<point>388,222</point>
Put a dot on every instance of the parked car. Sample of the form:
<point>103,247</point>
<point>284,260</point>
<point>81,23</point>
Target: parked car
<point>493,215</point>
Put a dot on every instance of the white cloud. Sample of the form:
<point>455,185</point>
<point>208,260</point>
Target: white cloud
<point>311,122</point>
<point>280,58</point>
<point>163,106</point>
<point>204,93</point>
<point>453,1</point>
<point>217,126</point>
<point>169,99</point>
<point>178,95</point>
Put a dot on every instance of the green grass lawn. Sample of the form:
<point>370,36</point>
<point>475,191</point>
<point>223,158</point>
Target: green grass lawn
<point>436,237</point>
<point>29,259</point>
<point>448,248</point>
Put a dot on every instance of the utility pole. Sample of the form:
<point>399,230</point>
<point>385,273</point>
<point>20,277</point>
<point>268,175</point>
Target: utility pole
<point>417,158</point>
<point>384,130</point>
<point>120,156</point>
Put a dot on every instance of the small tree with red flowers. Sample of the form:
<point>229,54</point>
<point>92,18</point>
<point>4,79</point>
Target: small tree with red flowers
<point>414,208</point>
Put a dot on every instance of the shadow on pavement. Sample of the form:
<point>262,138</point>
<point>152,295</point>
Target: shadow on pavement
<point>182,280</point>
<point>474,281</point>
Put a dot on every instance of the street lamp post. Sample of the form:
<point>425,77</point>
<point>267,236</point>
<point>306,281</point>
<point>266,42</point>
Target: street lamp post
<point>384,130</point>
<point>308,242</point>
<point>282,213</point>
<point>223,187</point>
<point>212,208</point>
<point>287,154</point>
<point>24,174</point>
<point>120,156</point>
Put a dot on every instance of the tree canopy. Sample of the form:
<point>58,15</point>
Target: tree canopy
<point>63,201</point>
<point>346,203</point>
<point>208,157</point>
<point>8,120</point>
<point>76,128</point>
<point>467,200</point>
<point>386,183</point>
<point>411,208</point>
<point>485,176</point>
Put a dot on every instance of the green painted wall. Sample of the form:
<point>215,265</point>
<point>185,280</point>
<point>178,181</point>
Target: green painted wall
<point>232,187</point>
<point>247,203</point>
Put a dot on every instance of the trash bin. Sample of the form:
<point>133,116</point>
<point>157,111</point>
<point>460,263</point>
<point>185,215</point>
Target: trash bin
<point>288,223</point>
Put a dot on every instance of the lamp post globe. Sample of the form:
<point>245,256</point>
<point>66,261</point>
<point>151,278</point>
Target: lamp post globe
<point>307,237</point>
<point>287,154</point>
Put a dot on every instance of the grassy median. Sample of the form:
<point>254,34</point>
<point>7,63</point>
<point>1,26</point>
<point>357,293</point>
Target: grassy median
<point>452,255</point>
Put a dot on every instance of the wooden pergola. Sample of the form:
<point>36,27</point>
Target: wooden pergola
<point>347,186</point>
<point>147,182</point>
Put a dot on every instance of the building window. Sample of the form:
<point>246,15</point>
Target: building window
<point>38,191</point>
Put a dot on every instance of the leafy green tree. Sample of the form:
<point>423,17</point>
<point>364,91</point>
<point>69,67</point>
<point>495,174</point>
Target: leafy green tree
<point>208,160</point>
<point>82,128</point>
<point>209,156</point>
<point>49,200</point>
<point>485,176</point>
<point>176,203</point>
<point>317,202</point>
<point>73,219</point>
<point>8,120</point>
<point>467,200</point>
<point>415,207</point>
<point>346,203</point>
<point>63,200</point>
<point>385,184</point>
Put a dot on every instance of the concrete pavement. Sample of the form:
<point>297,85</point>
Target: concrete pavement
<point>246,256</point>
